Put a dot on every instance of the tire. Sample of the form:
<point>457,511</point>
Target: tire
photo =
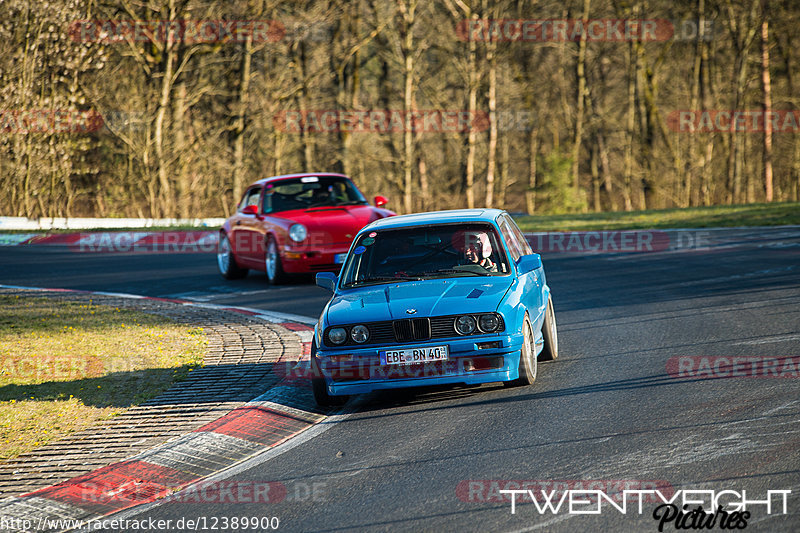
<point>318,387</point>
<point>550,334</point>
<point>226,261</point>
<point>272,263</point>
<point>528,366</point>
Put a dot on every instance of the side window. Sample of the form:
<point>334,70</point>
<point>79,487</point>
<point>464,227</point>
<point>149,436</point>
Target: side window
<point>250,198</point>
<point>525,245</point>
<point>511,241</point>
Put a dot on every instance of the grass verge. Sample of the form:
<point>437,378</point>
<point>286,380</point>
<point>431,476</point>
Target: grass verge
<point>774,214</point>
<point>65,366</point>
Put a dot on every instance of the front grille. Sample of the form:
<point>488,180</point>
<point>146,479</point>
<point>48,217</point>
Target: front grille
<point>412,329</point>
<point>408,330</point>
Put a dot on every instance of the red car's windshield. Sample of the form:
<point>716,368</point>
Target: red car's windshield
<point>310,191</point>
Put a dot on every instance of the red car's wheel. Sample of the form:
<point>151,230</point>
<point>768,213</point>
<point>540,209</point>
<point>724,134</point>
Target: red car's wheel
<point>226,261</point>
<point>272,260</point>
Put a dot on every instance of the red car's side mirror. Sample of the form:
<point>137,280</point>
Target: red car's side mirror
<point>381,201</point>
<point>250,210</point>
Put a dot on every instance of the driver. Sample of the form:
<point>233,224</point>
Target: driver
<point>320,196</point>
<point>478,249</point>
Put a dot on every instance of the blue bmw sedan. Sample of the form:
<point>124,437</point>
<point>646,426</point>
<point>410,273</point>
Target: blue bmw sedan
<point>451,297</point>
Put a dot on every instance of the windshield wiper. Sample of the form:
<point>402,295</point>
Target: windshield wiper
<point>383,279</point>
<point>459,271</point>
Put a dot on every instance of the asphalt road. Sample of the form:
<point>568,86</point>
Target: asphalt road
<point>612,409</point>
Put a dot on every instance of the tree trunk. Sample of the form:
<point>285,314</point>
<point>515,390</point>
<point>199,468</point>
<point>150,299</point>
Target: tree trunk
<point>605,167</point>
<point>179,121</point>
<point>425,198</point>
<point>765,81</point>
<point>505,181</point>
<point>630,123</point>
<point>241,118</point>
<point>472,107</point>
<point>491,156</point>
<point>593,165</point>
<point>580,101</point>
<point>165,192</point>
<point>533,151</point>
<point>742,32</point>
<point>408,13</point>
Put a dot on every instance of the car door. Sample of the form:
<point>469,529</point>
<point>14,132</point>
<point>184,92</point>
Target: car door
<point>531,282</point>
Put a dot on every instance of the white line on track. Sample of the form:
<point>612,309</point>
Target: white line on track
<point>771,340</point>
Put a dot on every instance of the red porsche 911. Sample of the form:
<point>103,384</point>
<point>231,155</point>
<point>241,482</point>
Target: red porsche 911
<point>296,223</point>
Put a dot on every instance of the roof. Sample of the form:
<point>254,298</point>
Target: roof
<point>437,217</point>
<point>300,175</point>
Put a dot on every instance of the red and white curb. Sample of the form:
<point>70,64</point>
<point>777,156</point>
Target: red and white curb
<point>258,426</point>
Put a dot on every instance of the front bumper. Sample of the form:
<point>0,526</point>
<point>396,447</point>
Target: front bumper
<point>303,261</point>
<point>472,360</point>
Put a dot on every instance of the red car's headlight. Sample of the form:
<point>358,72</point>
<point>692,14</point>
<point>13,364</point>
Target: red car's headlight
<point>298,232</point>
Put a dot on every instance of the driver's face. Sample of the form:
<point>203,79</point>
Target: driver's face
<point>473,252</point>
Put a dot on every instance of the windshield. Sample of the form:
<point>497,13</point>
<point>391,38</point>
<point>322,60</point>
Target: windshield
<point>310,191</point>
<point>416,253</point>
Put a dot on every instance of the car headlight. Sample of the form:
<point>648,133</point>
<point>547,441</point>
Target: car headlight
<point>488,323</point>
<point>298,232</point>
<point>465,324</point>
<point>337,335</point>
<point>359,334</point>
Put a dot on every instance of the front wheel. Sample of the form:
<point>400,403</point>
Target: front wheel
<point>318,386</point>
<point>527,358</point>
<point>549,334</point>
<point>226,260</point>
<point>272,260</point>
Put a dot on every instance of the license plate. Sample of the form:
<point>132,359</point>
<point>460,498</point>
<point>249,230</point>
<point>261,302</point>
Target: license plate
<point>410,356</point>
<point>339,258</point>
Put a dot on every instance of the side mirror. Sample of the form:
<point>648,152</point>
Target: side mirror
<point>250,210</point>
<point>529,263</point>
<point>381,201</point>
<point>327,280</point>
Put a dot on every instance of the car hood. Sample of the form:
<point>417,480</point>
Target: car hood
<point>429,298</point>
<point>333,224</point>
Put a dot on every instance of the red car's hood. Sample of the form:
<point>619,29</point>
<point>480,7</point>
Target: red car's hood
<point>333,224</point>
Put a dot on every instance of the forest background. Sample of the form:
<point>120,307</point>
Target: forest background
<point>170,108</point>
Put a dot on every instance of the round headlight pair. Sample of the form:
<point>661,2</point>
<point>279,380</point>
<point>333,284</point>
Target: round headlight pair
<point>359,333</point>
<point>298,232</point>
<point>466,324</point>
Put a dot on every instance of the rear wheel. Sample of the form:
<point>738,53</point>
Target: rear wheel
<point>550,334</point>
<point>527,358</point>
<point>272,259</point>
<point>226,260</point>
<point>318,386</point>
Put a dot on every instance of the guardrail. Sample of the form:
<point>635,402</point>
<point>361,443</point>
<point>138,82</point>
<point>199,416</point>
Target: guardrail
<point>47,223</point>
